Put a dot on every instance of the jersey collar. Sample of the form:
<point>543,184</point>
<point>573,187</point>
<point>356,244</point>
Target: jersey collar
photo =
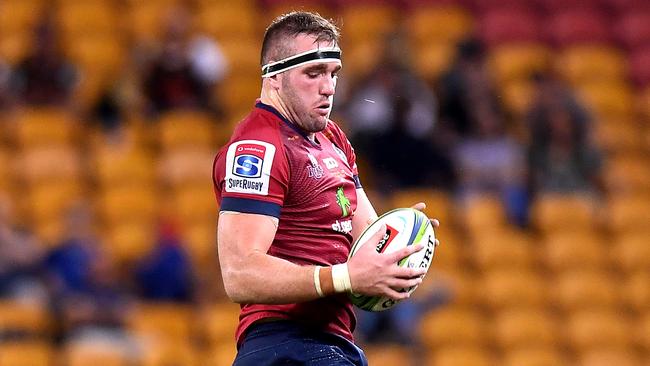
<point>298,130</point>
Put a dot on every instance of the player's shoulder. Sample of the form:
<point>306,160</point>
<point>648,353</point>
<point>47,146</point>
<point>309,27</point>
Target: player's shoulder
<point>335,133</point>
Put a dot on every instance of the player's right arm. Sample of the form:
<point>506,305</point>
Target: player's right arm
<point>250,275</point>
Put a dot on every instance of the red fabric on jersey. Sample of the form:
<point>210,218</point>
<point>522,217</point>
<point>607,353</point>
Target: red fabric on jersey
<point>311,188</point>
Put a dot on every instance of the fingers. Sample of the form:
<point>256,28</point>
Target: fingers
<point>404,283</point>
<point>435,223</point>
<point>420,206</point>
<point>404,252</point>
<point>409,273</point>
<point>396,295</point>
<point>374,239</point>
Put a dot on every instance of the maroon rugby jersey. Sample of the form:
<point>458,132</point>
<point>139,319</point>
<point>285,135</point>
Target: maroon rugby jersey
<point>270,167</point>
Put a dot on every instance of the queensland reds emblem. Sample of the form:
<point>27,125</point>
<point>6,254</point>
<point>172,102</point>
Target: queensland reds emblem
<point>249,159</point>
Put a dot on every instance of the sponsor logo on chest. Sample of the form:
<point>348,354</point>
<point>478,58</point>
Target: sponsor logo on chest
<point>314,169</point>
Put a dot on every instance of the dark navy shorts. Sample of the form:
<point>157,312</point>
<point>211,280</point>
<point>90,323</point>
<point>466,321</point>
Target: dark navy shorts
<point>286,343</point>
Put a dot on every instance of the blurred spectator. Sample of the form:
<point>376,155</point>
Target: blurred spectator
<point>166,274</point>
<point>488,161</point>
<point>183,74</point>
<point>21,258</point>
<point>45,76</point>
<point>462,87</point>
<point>392,114</point>
<point>5,76</point>
<point>561,156</point>
<point>86,293</point>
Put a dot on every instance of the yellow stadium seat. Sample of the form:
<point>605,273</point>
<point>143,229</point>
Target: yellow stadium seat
<point>482,213</point>
<point>186,129</point>
<point>504,288</point>
<point>218,322</point>
<point>450,253</point>
<point>520,328</point>
<point>145,19</point>
<point>221,354</point>
<point>631,250</point>
<point>27,319</point>
<point>200,238</point>
<point>195,202</point>
<point>628,174</point>
<point>45,165</point>
<point>438,24</point>
<point>113,168</point>
<point>438,202</point>
<point>360,58</point>
<point>635,290</point>
<point>557,212</point>
<point>49,201</point>
<point>277,8</point>
<point>607,99</point>
<point>170,352</point>
<point>643,331</point>
<point>563,250</point>
<point>594,329</point>
<point>585,63</point>
<point>239,94</point>
<point>508,249</point>
<point>236,20</point>
<point>388,354</point>
<point>90,16</point>
<point>128,204</point>
<point>26,353</point>
<point>517,96</point>
<point>15,46</point>
<point>243,57</point>
<point>83,354</point>
<point>586,289</point>
<point>517,61</point>
<point>187,166</point>
<point>534,356</point>
<point>432,59</point>
<point>165,321</point>
<point>452,326</point>
<point>610,356</point>
<point>129,241</point>
<point>628,213</point>
<point>619,136</point>
<point>45,126</point>
<point>367,20</point>
<point>19,15</point>
<point>461,356</point>
<point>100,58</point>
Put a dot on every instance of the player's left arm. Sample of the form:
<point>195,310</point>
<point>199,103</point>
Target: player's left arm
<point>364,214</point>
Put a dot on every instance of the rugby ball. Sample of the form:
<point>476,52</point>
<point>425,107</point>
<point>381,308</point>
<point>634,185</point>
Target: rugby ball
<point>404,227</point>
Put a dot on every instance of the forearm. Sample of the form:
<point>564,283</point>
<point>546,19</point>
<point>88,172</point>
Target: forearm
<point>262,278</point>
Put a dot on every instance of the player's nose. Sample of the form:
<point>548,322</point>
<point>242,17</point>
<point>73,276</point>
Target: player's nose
<point>328,86</point>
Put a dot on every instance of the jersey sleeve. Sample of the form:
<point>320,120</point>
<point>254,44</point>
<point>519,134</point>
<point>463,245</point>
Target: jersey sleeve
<point>341,141</point>
<point>251,175</point>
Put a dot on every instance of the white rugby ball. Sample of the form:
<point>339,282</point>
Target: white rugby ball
<point>404,227</point>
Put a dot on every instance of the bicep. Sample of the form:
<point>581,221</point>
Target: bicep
<point>364,214</point>
<point>242,234</point>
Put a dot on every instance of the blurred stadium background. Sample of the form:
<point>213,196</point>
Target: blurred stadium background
<point>523,124</point>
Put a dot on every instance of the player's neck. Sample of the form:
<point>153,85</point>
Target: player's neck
<point>273,100</point>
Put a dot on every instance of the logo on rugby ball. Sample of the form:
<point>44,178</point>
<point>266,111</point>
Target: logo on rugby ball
<point>249,159</point>
<point>391,233</point>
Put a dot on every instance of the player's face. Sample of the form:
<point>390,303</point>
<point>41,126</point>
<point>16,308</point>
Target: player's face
<point>308,91</point>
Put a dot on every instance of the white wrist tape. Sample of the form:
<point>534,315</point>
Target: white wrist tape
<point>341,278</point>
<point>319,290</point>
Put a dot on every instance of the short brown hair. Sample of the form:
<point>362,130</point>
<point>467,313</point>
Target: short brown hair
<point>275,46</point>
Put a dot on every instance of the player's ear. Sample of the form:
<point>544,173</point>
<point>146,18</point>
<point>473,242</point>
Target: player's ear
<point>274,82</point>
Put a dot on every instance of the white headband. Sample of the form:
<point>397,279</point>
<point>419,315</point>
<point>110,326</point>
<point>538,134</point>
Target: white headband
<point>332,54</point>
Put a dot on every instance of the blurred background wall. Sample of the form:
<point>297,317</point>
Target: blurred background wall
<point>524,125</point>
